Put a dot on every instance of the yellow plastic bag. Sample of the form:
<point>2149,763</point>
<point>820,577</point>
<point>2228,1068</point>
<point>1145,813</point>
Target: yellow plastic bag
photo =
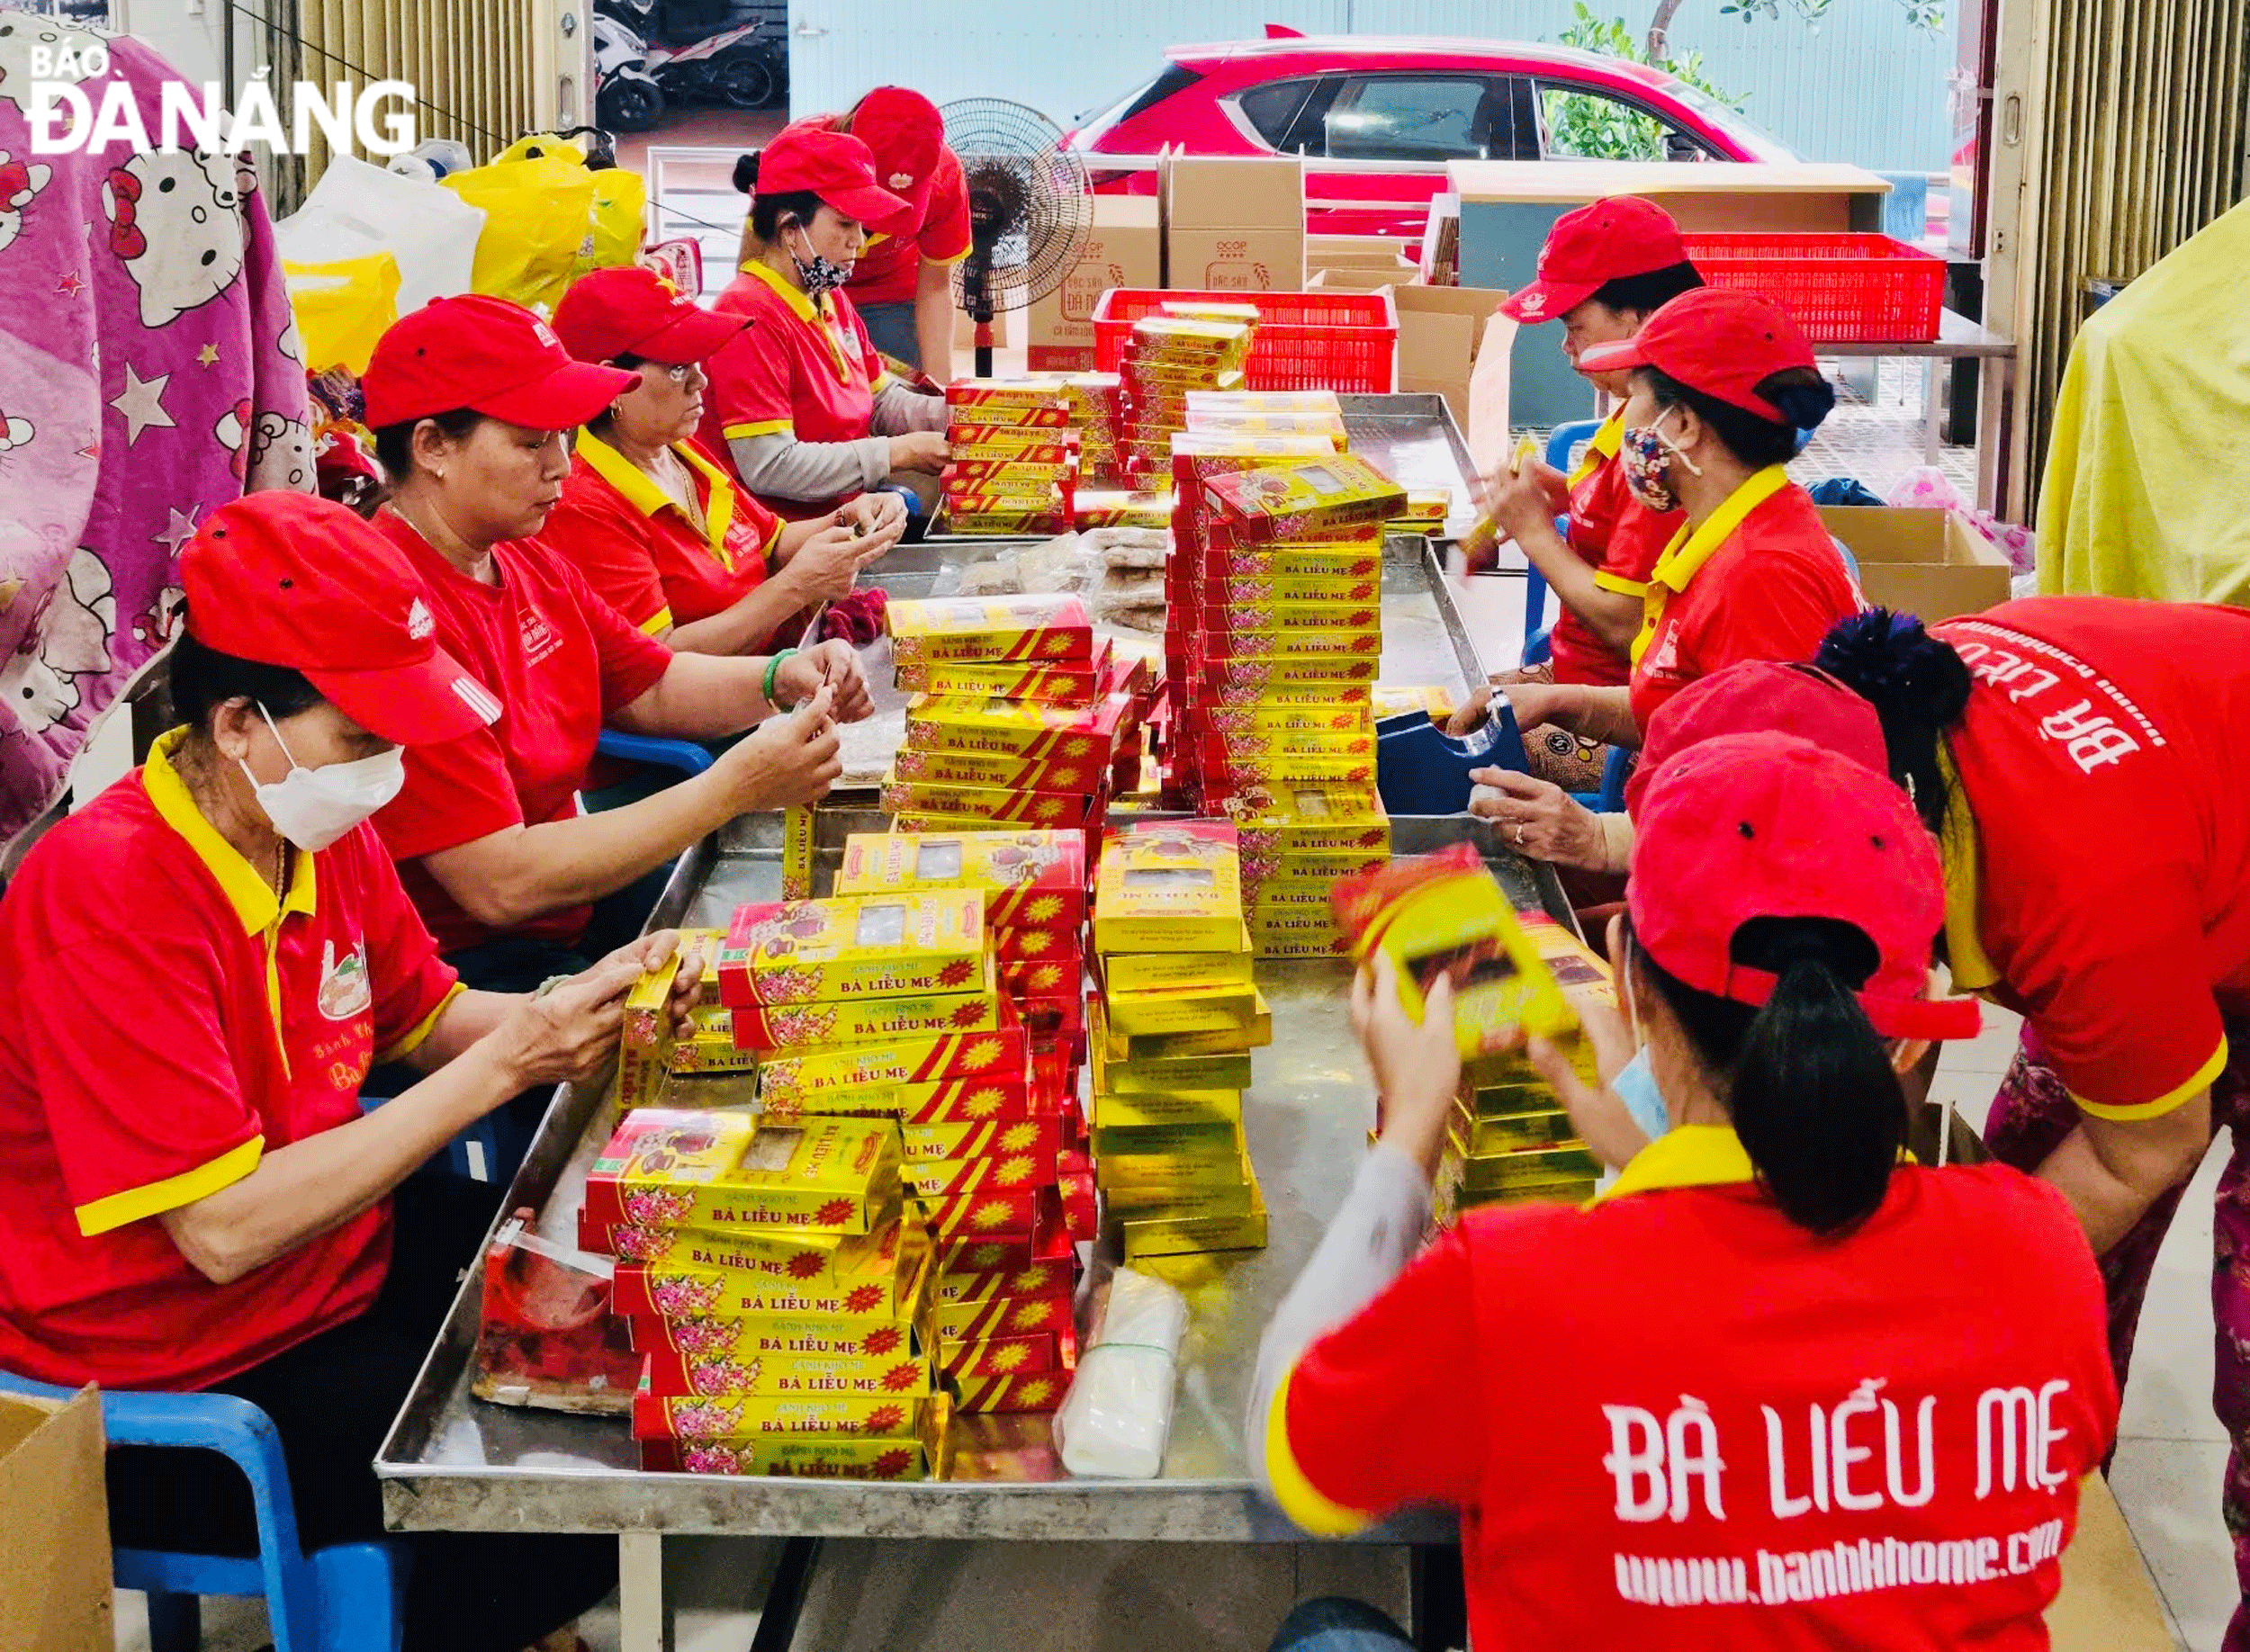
<point>342,308</point>
<point>538,209</point>
<point>620,204</point>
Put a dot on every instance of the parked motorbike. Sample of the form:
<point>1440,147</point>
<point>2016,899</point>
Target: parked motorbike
<point>744,67</point>
<point>627,98</point>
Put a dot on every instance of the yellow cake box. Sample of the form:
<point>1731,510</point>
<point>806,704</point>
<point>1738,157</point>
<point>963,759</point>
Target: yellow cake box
<point>1168,886</point>
<point>899,944</point>
<point>1232,1195</point>
<point>1167,1106</point>
<point>690,1417</point>
<point>1135,972</point>
<point>1045,628</point>
<point>1184,1010</point>
<point>1148,1048</point>
<point>724,1171</point>
<point>1173,1233</point>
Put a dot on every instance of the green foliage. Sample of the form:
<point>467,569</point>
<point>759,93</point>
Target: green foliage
<point>1919,13</point>
<point>1592,128</point>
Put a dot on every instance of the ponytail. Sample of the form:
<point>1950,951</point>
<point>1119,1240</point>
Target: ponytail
<point>1807,1079</point>
<point>1919,687</point>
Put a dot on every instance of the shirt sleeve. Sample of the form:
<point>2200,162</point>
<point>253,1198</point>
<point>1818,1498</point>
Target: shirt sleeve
<point>413,984</point>
<point>143,1105</point>
<point>606,542</point>
<point>753,386</point>
<point>2119,994</point>
<point>632,661</point>
<point>455,792</point>
<point>1369,1420</point>
<point>945,236</point>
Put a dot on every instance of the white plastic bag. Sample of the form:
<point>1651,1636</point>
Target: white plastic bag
<point>358,208</point>
<point>1118,1415</point>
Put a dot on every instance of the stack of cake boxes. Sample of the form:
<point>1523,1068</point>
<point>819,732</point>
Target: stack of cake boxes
<point>1273,646</point>
<point>776,1293</point>
<point>1186,348</point>
<point>1514,973</point>
<point>1014,459</point>
<point>1172,1035</point>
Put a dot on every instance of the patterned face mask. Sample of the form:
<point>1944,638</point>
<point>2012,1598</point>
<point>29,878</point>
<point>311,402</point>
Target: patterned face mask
<point>1647,454</point>
<point>817,275</point>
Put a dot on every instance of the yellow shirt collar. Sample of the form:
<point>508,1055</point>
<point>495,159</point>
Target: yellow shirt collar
<point>1691,548</point>
<point>1603,447</point>
<point>246,888</point>
<point>639,489</point>
<point>819,316</point>
<point>1685,1156</point>
<point>1962,856</point>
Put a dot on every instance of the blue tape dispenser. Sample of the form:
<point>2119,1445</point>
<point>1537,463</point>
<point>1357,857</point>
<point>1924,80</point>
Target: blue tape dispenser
<point>1421,770</point>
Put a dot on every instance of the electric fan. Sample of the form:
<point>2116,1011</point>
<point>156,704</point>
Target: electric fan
<point>1030,209</point>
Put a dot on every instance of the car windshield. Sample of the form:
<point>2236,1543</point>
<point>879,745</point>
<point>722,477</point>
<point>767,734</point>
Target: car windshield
<point>1144,93</point>
<point>1733,122</point>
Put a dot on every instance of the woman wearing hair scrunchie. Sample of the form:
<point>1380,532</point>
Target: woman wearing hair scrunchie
<point>1722,381</point>
<point>1752,1396</point>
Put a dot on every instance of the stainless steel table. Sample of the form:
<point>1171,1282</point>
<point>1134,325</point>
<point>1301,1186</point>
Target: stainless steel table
<point>454,1463</point>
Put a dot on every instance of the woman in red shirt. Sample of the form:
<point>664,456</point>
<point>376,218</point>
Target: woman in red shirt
<point>802,405</point>
<point>1722,383</point>
<point>195,1197</point>
<point>659,528</point>
<point>903,285</point>
<point>1774,1388</point>
<point>468,399</point>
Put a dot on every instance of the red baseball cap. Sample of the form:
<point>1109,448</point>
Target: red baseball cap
<point>1770,826</point>
<point>1714,339</point>
<point>1757,697</point>
<point>486,354</point>
<point>633,311</point>
<point>836,167</point>
<point>904,132</point>
<point>1590,247</point>
<point>293,579</point>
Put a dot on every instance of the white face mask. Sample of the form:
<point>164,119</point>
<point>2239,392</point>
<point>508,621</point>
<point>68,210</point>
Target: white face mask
<point>313,807</point>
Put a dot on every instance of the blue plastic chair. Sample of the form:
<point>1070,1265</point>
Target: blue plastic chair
<point>1537,641</point>
<point>684,754</point>
<point>342,1599</point>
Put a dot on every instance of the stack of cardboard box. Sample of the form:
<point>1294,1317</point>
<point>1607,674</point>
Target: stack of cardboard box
<point>1194,346</point>
<point>776,1291</point>
<point>1014,459</point>
<point>1172,1036</point>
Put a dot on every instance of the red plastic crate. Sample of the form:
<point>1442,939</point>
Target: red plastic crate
<point>1345,342</point>
<point>1842,289</point>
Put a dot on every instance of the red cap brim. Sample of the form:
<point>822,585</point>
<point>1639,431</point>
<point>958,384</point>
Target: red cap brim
<point>563,400</point>
<point>1619,356</point>
<point>421,705</point>
<point>877,208</point>
<point>1546,301</point>
<point>696,338</point>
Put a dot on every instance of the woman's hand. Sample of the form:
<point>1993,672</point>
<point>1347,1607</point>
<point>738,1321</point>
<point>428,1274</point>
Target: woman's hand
<point>695,953</point>
<point>824,566</point>
<point>1416,1068</point>
<point>1598,1115</point>
<point>1539,819</point>
<point>833,664</point>
<point>879,515</point>
<point>1534,704</point>
<point>784,760</point>
<point>1522,500</point>
<point>920,450</point>
<point>569,1033</point>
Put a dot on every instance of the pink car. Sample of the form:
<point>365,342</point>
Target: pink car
<point>1402,107</point>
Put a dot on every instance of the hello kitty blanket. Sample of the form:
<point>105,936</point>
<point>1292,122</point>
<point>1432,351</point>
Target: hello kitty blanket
<point>148,372</point>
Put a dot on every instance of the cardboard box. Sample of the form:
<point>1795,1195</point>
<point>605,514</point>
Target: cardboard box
<point>1234,224</point>
<point>1441,332</point>
<point>1124,250</point>
<point>2108,1602</point>
<point>54,1526</point>
<point>896,945</point>
<point>1362,277</point>
<point>1932,563</point>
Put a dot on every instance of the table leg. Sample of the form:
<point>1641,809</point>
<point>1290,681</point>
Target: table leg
<point>785,1596</point>
<point>1932,426</point>
<point>1440,1602</point>
<point>640,1592</point>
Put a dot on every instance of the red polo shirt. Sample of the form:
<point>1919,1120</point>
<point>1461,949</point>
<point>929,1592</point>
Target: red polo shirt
<point>1618,537</point>
<point>1762,580</point>
<point>2098,880</point>
<point>806,368</point>
<point>560,661</point>
<point>1623,1402</point>
<point>188,1023</point>
<point>638,549</point>
<point>890,265</point>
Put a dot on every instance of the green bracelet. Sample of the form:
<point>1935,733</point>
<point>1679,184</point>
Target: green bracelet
<point>773,671</point>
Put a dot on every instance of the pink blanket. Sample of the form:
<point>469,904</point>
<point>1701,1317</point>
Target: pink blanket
<point>148,372</point>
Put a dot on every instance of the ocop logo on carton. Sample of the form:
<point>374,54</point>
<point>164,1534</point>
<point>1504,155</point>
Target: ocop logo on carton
<point>379,119</point>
